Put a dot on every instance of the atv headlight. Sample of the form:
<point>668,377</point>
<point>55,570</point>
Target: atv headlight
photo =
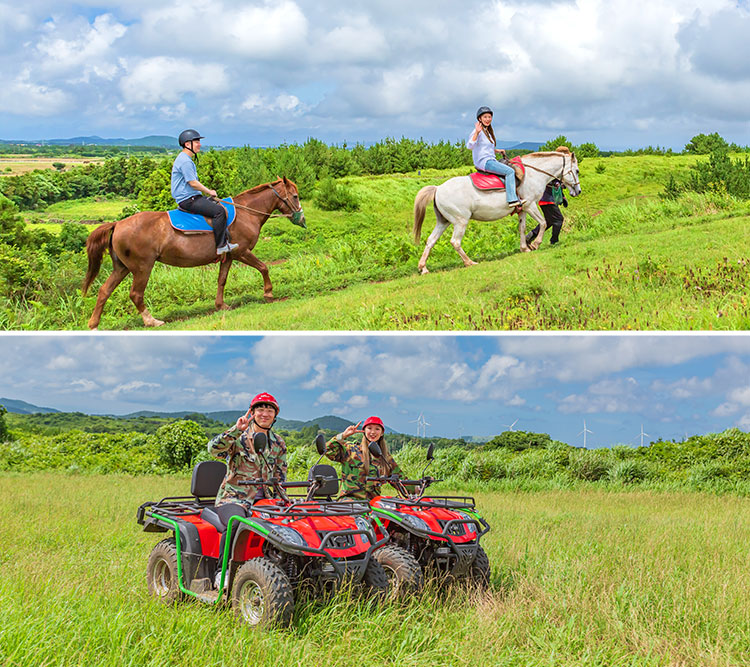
<point>287,534</point>
<point>363,524</point>
<point>414,522</point>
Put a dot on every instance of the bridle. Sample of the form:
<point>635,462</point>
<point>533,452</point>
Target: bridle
<point>561,177</point>
<point>294,213</point>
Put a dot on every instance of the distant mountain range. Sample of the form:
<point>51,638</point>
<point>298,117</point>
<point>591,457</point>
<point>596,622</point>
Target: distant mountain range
<point>328,422</point>
<point>171,142</point>
<point>24,408</point>
<point>151,140</point>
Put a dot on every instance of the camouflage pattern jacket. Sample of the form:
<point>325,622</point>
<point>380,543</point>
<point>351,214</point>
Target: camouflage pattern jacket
<point>353,472</point>
<point>243,464</point>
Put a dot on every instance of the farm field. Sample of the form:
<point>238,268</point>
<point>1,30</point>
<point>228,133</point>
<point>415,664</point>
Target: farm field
<point>20,164</point>
<point>578,577</point>
<point>628,259</point>
<point>90,210</point>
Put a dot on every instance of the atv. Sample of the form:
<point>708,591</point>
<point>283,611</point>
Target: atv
<point>441,532</point>
<point>266,553</point>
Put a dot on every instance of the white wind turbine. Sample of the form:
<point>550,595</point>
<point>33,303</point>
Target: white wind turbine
<point>422,425</point>
<point>585,431</point>
<point>510,427</point>
<point>643,433</point>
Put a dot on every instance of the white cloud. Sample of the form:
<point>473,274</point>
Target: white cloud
<point>328,397</point>
<point>89,52</point>
<point>165,80</point>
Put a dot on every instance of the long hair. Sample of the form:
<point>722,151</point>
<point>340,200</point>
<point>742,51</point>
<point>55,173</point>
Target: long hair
<point>387,458</point>
<point>489,133</point>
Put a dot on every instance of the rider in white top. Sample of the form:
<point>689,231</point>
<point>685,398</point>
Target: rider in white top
<point>482,144</point>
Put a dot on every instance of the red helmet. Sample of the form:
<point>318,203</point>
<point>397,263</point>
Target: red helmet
<point>374,420</point>
<point>266,398</point>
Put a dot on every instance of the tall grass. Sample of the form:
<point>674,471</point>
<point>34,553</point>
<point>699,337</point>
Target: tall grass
<point>578,577</point>
<point>357,270</point>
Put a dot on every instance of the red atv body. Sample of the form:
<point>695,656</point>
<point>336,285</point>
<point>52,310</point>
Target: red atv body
<point>441,532</point>
<point>272,548</point>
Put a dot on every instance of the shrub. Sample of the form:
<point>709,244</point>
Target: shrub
<point>4,435</point>
<point>180,444</point>
<point>330,196</point>
<point>707,472</point>
<point>588,465</point>
<point>629,472</point>
<point>73,236</point>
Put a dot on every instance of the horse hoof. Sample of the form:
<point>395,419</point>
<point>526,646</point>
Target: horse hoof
<point>267,298</point>
<point>424,271</point>
<point>223,306</point>
<point>153,322</point>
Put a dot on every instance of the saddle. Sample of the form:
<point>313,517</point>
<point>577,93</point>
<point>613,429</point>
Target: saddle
<point>484,180</point>
<point>192,223</point>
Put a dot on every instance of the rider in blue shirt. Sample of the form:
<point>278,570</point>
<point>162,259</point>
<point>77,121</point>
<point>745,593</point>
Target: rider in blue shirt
<point>187,189</point>
<point>482,144</point>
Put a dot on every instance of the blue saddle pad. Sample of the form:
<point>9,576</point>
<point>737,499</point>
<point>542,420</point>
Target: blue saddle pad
<point>192,222</point>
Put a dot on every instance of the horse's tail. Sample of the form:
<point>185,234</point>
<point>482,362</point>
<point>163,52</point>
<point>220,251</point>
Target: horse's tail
<point>96,244</point>
<point>424,196</point>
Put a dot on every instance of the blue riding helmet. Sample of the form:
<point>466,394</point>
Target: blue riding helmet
<point>483,110</point>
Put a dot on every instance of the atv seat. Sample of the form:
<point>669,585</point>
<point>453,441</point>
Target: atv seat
<point>330,486</point>
<point>219,516</point>
<point>207,478</point>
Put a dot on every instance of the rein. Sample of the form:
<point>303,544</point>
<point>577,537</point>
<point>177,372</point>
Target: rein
<point>270,215</point>
<point>562,171</point>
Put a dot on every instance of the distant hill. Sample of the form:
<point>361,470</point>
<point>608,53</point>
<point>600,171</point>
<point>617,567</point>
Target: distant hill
<point>151,140</point>
<point>328,422</point>
<point>527,146</point>
<point>24,408</point>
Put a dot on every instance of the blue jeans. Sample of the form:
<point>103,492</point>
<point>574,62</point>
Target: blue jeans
<point>504,170</point>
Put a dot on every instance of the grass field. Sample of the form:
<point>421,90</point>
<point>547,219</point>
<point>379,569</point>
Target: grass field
<point>90,209</point>
<point>578,578</point>
<point>20,164</point>
<point>627,260</point>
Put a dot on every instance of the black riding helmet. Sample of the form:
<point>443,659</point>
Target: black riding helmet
<point>480,112</point>
<point>188,135</point>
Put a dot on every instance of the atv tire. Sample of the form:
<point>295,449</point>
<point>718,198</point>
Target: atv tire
<point>161,572</point>
<point>262,594</point>
<point>375,579</point>
<point>402,569</point>
<point>480,568</point>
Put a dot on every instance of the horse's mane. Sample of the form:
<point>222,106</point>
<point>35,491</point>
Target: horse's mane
<point>259,188</point>
<point>560,149</point>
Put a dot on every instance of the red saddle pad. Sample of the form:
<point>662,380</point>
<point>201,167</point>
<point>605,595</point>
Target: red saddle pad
<point>485,181</point>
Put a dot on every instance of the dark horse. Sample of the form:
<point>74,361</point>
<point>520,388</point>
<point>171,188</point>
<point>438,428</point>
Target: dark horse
<point>139,241</point>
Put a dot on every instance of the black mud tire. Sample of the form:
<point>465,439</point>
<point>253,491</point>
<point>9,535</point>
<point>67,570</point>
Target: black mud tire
<point>375,580</point>
<point>262,595</point>
<point>480,568</point>
<point>402,569</point>
<point>161,572</point>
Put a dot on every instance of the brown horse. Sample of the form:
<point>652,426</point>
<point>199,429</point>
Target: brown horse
<point>139,241</point>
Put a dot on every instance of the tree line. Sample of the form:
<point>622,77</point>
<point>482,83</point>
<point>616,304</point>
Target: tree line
<point>718,462</point>
<point>146,177</point>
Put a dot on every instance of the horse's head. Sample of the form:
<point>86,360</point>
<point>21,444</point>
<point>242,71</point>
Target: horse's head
<point>290,204</point>
<point>570,175</point>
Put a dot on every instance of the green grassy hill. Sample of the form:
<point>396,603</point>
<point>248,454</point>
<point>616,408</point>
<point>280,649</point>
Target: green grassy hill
<point>627,259</point>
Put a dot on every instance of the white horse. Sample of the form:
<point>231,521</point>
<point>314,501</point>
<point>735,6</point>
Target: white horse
<point>457,201</point>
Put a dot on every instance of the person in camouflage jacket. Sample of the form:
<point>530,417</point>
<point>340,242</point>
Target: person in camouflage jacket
<point>235,446</point>
<point>357,464</point>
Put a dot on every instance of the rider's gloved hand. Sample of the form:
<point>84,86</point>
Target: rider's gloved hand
<point>565,202</point>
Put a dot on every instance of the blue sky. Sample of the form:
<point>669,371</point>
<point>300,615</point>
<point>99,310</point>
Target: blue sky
<point>674,385</point>
<point>617,72</point>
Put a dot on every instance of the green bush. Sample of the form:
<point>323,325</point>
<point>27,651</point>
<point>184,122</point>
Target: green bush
<point>629,472</point>
<point>73,236</point>
<point>4,435</point>
<point>588,465</point>
<point>180,444</point>
<point>330,196</point>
